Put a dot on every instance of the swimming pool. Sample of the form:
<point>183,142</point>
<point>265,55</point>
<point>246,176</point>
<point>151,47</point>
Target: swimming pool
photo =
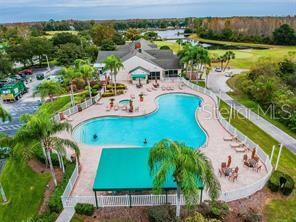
<point>174,119</point>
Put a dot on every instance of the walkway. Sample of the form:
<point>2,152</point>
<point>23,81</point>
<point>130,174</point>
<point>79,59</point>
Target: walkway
<point>217,83</point>
<point>269,128</point>
<point>66,215</point>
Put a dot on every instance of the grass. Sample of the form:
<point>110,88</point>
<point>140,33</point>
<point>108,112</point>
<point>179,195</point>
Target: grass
<point>276,208</point>
<point>24,189</point>
<point>255,107</point>
<point>173,45</point>
<point>50,34</point>
<point>57,105</point>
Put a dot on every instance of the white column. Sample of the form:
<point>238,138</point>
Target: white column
<point>272,152</point>
<point>278,157</point>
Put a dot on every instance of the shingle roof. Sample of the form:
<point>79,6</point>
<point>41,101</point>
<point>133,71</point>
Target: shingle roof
<point>166,59</point>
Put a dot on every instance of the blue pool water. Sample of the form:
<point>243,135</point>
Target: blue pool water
<point>174,119</point>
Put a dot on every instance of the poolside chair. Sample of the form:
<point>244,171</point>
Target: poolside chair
<point>223,165</point>
<point>124,108</point>
<point>233,177</point>
<point>256,158</point>
<point>137,109</point>
<point>245,157</point>
<point>246,164</point>
<point>232,138</point>
<point>228,161</point>
<point>237,145</point>
<point>162,88</point>
<point>108,108</point>
<point>149,90</point>
<point>116,107</point>
<point>221,173</point>
<point>258,168</point>
<point>240,149</point>
<point>68,119</point>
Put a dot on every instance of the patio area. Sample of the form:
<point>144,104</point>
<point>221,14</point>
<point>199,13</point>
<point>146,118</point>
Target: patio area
<point>216,148</point>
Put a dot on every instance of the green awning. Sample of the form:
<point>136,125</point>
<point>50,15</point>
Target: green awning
<point>138,76</point>
<point>127,169</point>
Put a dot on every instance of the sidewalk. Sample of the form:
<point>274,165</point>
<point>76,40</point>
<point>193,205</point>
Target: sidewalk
<point>268,127</point>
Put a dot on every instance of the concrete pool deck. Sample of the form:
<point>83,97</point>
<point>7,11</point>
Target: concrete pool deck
<point>216,148</point>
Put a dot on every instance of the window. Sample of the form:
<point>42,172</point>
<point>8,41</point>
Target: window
<point>154,75</point>
<point>171,73</point>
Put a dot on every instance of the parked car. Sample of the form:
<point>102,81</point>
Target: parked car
<point>228,74</point>
<point>218,69</point>
<point>26,72</point>
<point>40,76</point>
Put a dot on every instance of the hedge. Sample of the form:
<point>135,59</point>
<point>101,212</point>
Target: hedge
<point>282,182</point>
<point>84,209</point>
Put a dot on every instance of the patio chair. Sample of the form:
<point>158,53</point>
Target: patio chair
<point>163,88</point>
<point>246,164</point>
<point>240,149</point>
<point>148,90</point>
<point>245,157</point>
<point>221,173</point>
<point>231,138</point>
<point>137,109</point>
<point>233,177</point>
<point>258,168</point>
<point>108,108</point>
<point>223,165</point>
<point>256,158</point>
<point>116,108</point>
<point>237,145</point>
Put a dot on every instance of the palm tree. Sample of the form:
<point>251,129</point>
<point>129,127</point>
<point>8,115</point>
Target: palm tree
<point>70,74</point>
<point>185,56</point>
<point>228,56</point>
<point>41,129</point>
<point>186,166</point>
<point>4,115</point>
<point>86,71</point>
<point>48,88</point>
<point>114,64</point>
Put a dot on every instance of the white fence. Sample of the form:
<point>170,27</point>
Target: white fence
<point>76,108</point>
<point>69,200</point>
<point>252,188</point>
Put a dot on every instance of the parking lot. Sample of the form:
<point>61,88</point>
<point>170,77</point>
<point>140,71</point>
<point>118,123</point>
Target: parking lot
<point>28,104</point>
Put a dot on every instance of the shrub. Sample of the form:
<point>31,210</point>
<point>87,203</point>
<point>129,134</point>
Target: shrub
<point>97,87</point>
<point>214,209</point>
<point>94,92</point>
<point>55,202</point>
<point>84,209</point>
<point>288,186</point>
<point>108,94</point>
<point>280,181</point>
<point>39,155</point>
<point>198,217</point>
<point>161,214</point>
<point>164,47</point>
<point>46,217</point>
<point>249,216</point>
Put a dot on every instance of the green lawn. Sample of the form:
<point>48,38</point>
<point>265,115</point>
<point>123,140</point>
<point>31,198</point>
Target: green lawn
<point>276,210</point>
<point>255,107</point>
<point>59,104</point>
<point>24,189</point>
<point>173,45</point>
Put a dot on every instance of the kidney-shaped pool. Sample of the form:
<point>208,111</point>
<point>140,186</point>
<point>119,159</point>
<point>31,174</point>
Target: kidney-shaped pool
<point>174,119</point>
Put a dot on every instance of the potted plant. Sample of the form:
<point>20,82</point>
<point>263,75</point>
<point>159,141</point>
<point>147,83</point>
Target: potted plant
<point>141,95</point>
<point>111,102</point>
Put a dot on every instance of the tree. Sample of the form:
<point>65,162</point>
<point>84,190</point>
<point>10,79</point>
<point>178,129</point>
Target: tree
<point>284,35</point>
<point>40,129</point>
<point>21,52</point>
<point>48,88</point>
<point>227,57</point>
<point>187,167</point>
<point>118,39</point>
<point>5,66</point>
<point>69,75</point>
<point>40,47</point>
<point>64,38</point>
<point>86,71</point>
<point>132,34</point>
<point>4,115</point>
<point>67,53</point>
<point>108,45</point>
<point>152,36</point>
<point>113,64</point>
<point>100,32</point>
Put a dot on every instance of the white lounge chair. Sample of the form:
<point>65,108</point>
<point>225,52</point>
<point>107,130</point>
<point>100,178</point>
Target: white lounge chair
<point>231,138</point>
<point>237,145</point>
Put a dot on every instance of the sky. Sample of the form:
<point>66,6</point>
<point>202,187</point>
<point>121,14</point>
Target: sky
<point>43,10</point>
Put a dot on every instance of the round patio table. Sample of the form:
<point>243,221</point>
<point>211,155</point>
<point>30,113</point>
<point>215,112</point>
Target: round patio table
<point>228,171</point>
<point>252,162</point>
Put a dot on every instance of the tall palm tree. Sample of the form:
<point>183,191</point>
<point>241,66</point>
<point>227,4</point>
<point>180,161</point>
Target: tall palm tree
<point>228,56</point>
<point>70,74</point>
<point>86,71</point>
<point>4,115</point>
<point>185,56</point>
<point>186,166</point>
<point>113,64</point>
<point>48,88</point>
<point>41,129</point>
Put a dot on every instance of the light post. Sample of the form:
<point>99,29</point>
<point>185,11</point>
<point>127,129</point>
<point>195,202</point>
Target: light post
<point>48,67</point>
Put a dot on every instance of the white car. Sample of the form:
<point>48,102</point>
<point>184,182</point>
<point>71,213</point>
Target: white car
<point>218,69</point>
<point>228,74</point>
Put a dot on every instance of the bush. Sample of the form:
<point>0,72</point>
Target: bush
<point>280,181</point>
<point>164,47</point>
<point>97,87</point>
<point>198,217</point>
<point>250,216</point>
<point>84,209</point>
<point>39,155</point>
<point>288,186</point>
<point>108,94</point>
<point>55,202</point>
<point>94,92</point>
<point>214,209</point>
<point>46,217</point>
<point>161,214</point>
